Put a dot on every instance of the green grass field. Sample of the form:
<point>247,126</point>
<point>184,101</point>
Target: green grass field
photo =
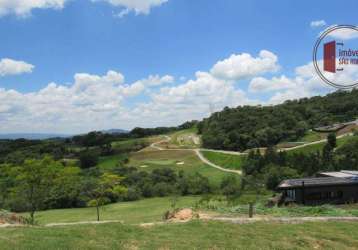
<point>224,160</point>
<point>192,235</point>
<point>177,160</point>
<point>146,210</point>
<point>319,146</point>
<point>109,162</point>
<point>312,136</point>
<point>129,142</point>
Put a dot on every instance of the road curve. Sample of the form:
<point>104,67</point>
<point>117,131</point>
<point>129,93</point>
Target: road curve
<point>312,143</point>
<point>156,146</point>
<point>206,161</point>
<point>199,154</point>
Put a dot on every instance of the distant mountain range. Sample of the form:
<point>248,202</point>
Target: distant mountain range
<point>32,136</point>
<point>43,136</point>
<point>115,131</point>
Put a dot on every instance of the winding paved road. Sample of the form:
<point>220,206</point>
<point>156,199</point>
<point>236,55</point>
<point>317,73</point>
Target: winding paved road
<point>206,161</point>
<point>313,143</point>
<point>156,146</point>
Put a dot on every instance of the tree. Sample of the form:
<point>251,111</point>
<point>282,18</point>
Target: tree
<point>230,187</point>
<point>347,154</point>
<point>88,159</point>
<point>327,152</point>
<point>100,191</point>
<point>274,174</point>
<point>33,182</point>
<point>66,188</point>
<point>6,182</point>
<point>332,140</point>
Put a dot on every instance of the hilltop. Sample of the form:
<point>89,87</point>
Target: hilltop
<point>247,127</point>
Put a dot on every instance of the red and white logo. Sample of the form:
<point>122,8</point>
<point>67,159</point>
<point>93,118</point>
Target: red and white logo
<point>336,61</point>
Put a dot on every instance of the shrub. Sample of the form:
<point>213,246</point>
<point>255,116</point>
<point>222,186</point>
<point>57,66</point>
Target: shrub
<point>88,159</point>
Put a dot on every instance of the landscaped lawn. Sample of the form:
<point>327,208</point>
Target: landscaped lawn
<point>312,136</point>
<point>319,146</point>
<point>146,210</point>
<point>192,235</point>
<point>224,160</point>
<point>129,142</point>
<point>185,160</point>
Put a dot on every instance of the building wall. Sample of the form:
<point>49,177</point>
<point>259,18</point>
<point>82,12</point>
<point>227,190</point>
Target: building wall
<point>327,195</point>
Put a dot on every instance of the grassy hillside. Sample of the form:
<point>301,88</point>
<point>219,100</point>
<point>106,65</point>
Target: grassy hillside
<point>312,136</point>
<point>109,162</point>
<point>178,160</point>
<point>248,127</point>
<point>224,160</point>
<point>193,235</point>
<point>146,210</point>
<point>319,146</point>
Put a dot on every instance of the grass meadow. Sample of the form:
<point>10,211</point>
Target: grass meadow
<point>224,160</point>
<point>185,160</point>
<point>142,211</point>
<point>192,235</point>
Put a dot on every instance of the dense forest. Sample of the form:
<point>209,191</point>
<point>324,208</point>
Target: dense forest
<point>247,127</point>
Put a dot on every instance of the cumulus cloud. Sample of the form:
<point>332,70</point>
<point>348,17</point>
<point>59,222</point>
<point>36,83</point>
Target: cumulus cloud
<point>261,84</point>
<point>138,6</point>
<point>318,23</point>
<point>95,102</point>
<point>241,66</point>
<point>89,103</point>
<point>156,80</point>
<point>13,67</point>
<point>342,33</point>
<point>141,85</point>
<point>23,8</point>
<point>304,83</point>
<point>191,100</point>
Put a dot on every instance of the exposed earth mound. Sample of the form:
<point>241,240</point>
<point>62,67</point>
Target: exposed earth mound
<point>7,218</point>
<point>184,214</point>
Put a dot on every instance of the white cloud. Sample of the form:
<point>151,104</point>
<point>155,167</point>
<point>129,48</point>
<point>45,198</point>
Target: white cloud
<point>156,80</point>
<point>138,6</point>
<point>260,84</point>
<point>191,100</point>
<point>318,23</point>
<point>305,83</point>
<point>12,67</point>
<point>94,102</point>
<point>91,102</point>
<point>342,33</point>
<point>241,66</point>
<point>141,85</point>
<point>23,8</point>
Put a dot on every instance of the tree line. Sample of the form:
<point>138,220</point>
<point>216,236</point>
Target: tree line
<point>270,169</point>
<point>41,184</point>
<point>248,127</point>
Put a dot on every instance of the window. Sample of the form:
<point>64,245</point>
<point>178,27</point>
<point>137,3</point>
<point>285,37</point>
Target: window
<point>291,194</point>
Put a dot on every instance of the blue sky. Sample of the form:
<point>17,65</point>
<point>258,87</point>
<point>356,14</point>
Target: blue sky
<point>167,40</point>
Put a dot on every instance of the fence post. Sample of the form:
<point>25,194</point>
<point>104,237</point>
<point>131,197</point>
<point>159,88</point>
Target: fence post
<point>251,209</point>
